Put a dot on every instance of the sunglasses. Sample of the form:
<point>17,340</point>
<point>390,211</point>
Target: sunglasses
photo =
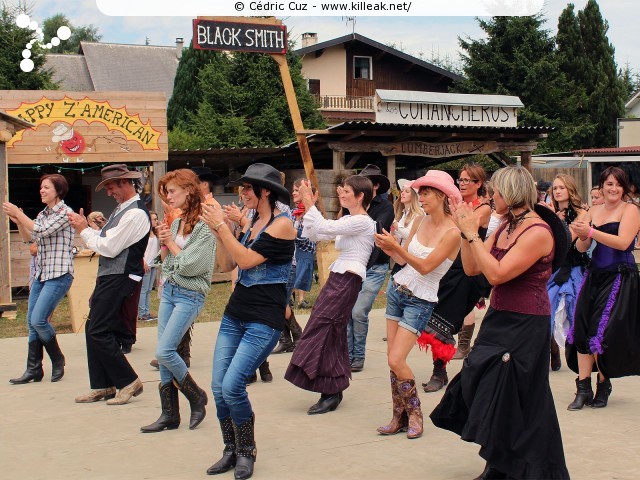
<point>465,181</point>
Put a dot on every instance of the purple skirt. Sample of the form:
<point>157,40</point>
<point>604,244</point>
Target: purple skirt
<point>320,362</point>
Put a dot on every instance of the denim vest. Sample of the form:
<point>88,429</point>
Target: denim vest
<point>266,272</point>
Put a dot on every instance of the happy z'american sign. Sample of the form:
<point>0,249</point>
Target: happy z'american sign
<point>239,37</point>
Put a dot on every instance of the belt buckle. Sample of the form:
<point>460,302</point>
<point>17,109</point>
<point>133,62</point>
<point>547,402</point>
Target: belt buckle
<point>402,289</point>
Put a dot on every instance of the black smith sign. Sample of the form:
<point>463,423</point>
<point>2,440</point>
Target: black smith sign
<point>239,37</point>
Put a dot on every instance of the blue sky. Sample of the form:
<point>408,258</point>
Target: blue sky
<point>435,36</point>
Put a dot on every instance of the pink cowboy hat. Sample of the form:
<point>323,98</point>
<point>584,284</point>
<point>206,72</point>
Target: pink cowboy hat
<point>439,180</point>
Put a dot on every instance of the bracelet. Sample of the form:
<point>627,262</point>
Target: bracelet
<point>216,227</point>
<point>463,236</point>
<point>590,234</point>
<point>474,237</point>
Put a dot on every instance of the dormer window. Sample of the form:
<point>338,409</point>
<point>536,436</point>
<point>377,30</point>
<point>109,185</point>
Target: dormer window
<point>362,68</point>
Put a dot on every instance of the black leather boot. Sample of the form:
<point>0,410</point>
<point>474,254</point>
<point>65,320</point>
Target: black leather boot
<point>228,460</point>
<point>327,403</point>
<point>246,451</point>
<point>438,378</point>
<point>197,399</point>
<point>556,361</point>
<point>584,394</point>
<point>34,369</point>
<point>170,416</point>
<point>57,359</point>
<point>265,373</point>
<point>294,328</point>
<point>490,473</point>
<point>184,347</point>
<point>285,343</point>
<point>603,390</point>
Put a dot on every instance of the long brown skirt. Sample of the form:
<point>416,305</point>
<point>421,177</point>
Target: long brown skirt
<point>320,362</point>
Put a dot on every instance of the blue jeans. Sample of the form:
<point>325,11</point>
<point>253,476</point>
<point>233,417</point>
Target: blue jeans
<point>44,297</point>
<point>178,309</point>
<point>358,326</point>
<point>147,286</point>
<point>240,349</point>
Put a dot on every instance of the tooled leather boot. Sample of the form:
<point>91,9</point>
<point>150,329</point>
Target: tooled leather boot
<point>228,460</point>
<point>246,451</point>
<point>399,421</point>
<point>170,416</point>
<point>184,347</point>
<point>603,390</point>
<point>197,400</point>
<point>464,341</point>
<point>34,369</point>
<point>438,378</point>
<point>584,394</point>
<point>409,394</point>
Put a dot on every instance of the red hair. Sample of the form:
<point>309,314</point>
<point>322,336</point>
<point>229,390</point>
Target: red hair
<point>192,209</point>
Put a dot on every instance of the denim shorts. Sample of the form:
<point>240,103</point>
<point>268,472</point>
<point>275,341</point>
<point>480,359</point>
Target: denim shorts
<point>411,312</point>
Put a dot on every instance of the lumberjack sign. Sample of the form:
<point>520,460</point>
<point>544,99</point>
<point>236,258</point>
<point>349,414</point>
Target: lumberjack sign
<point>239,37</point>
<point>439,150</point>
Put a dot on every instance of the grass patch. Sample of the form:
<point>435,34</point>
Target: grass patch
<point>215,304</point>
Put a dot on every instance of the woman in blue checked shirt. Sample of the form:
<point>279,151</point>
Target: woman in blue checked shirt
<point>188,252</point>
<point>53,274</point>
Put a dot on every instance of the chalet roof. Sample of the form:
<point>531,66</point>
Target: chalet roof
<point>356,37</point>
<point>405,96</point>
<point>116,67</point>
<point>70,71</point>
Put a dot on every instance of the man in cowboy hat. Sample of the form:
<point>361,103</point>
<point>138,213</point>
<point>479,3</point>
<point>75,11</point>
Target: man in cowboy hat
<point>381,210</point>
<point>121,244</point>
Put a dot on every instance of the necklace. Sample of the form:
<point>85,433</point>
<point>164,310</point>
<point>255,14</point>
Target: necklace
<point>516,221</point>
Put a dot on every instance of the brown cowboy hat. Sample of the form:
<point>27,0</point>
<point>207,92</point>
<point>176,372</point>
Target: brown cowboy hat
<point>117,171</point>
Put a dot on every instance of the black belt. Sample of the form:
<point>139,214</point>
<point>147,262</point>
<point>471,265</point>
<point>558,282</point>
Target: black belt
<point>402,289</point>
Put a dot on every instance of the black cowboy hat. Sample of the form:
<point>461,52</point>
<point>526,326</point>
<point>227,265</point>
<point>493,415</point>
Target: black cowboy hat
<point>266,176</point>
<point>561,234</point>
<point>375,174</point>
<point>204,174</point>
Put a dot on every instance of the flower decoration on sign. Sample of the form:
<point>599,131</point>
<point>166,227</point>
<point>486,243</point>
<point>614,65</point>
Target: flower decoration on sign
<point>23,21</point>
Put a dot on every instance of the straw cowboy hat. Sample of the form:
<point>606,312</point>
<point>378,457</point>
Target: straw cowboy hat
<point>441,181</point>
<point>266,176</point>
<point>375,175</point>
<point>117,171</point>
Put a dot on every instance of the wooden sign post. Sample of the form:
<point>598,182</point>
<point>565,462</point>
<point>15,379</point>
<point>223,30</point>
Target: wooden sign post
<point>260,35</point>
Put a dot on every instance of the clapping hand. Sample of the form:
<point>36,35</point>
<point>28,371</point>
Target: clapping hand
<point>464,217</point>
<point>386,241</point>
<point>78,221</point>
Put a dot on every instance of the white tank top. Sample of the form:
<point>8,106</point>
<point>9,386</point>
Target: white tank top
<point>422,286</point>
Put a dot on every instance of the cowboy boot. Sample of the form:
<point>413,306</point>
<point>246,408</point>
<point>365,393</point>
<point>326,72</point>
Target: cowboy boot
<point>603,390</point>
<point>34,369</point>
<point>399,421</point>
<point>124,394</point>
<point>294,328</point>
<point>438,378</point>
<point>170,416</point>
<point>409,395</point>
<point>184,348</point>
<point>246,451</point>
<point>584,394</point>
<point>228,460</point>
<point>464,341</point>
<point>285,343</point>
<point>265,373</point>
<point>57,359</point>
<point>490,473</point>
<point>197,399</point>
<point>556,361</point>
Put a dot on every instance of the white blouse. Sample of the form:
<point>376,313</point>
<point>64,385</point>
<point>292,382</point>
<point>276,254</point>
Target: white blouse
<point>404,228</point>
<point>353,235</point>
<point>422,286</point>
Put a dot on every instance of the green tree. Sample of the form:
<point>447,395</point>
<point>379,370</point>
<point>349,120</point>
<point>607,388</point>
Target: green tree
<point>587,59</point>
<point>242,103</point>
<point>186,94</point>
<point>13,41</point>
<point>84,33</point>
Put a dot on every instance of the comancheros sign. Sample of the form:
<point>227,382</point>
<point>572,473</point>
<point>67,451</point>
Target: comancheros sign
<point>435,108</point>
<point>239,37</point>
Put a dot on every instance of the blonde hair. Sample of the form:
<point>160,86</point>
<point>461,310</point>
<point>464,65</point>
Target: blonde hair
<point>413,210</point>
<point>516,186</point>
<point>570,184</point>
<point>93,215</point>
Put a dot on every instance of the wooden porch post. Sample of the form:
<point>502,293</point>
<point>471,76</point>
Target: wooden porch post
<point>391,169</point>
<point>525,160</point>
<point>338,160</point>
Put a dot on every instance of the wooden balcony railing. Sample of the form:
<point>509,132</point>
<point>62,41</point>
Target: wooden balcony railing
<point>344,102</point>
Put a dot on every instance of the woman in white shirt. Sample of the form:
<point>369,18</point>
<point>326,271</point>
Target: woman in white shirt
<point>320,362</point>
<point>431,248</point>
<point>406,209</point>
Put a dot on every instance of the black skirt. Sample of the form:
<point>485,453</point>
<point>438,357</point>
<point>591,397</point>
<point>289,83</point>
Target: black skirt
<point>320,361</point>
<point>502,401</point>
<point>606,323</point>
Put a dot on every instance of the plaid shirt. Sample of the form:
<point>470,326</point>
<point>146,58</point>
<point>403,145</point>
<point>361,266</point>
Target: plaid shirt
<point>54,235</point>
